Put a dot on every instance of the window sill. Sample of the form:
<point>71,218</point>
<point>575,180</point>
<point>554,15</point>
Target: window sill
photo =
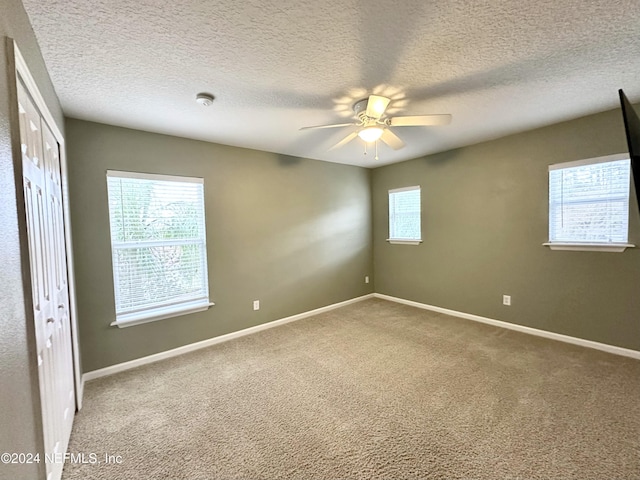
<point>162,313</point>
<point>397,241</point>
<point>589,247</point>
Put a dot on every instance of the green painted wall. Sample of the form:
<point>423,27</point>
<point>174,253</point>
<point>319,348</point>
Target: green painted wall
<point>484,221</point>
<point>20,418</point>
<point>292,233</point>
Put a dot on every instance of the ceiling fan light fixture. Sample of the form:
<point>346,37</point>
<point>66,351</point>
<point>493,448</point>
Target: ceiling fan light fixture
<point>370,134</point>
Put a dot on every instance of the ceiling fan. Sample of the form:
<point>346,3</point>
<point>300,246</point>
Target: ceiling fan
<point>371,124</point>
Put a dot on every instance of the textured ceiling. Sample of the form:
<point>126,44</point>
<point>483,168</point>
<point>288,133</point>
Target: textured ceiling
<point>274,66</point>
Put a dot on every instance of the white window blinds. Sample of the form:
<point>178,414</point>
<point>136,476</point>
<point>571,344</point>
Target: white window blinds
<point>589,201</point>
<point>158,244</point>
<point>404,214</point>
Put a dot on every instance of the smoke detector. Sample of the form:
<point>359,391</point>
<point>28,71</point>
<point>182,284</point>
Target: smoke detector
<point>204,99</point>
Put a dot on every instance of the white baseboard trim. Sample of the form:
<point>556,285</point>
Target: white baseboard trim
<point>120,367</point>
<point>625,352</point>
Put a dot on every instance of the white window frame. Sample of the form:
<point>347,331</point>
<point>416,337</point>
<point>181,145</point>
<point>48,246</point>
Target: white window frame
<point>162,310</point>
<point>405,241</point>
<point>586,246</point>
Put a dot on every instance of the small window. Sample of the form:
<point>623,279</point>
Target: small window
<point>589,203</point>
<point>158,246</point>
<point>404,215</point>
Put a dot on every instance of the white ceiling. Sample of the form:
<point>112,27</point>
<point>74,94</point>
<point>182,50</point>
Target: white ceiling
<point>274,66</point>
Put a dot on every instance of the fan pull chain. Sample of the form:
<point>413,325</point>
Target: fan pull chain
<point>376,157</point>
<point>365,148</point>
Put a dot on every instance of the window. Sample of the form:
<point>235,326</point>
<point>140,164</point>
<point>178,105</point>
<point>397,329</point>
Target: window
<point>404,215</point>
<point>158,246</point>
<point>589,204</point>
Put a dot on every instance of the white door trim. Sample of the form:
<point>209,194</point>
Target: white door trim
<point>22,70</point>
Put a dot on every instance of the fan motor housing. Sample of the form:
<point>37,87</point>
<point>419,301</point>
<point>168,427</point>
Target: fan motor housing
<point>360,107</point>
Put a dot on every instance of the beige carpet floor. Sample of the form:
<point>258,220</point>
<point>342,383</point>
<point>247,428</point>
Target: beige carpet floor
<point>372,390</point>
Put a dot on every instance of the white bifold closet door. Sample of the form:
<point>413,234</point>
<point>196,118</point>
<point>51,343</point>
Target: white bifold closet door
<point>47,253</point>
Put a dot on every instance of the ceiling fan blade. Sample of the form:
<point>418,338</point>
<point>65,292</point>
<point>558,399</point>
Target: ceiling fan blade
<point>391,139</point>
<point>335,125</point>
<point>376,105</point>
<point>419,120</point>
<point>345,140</point>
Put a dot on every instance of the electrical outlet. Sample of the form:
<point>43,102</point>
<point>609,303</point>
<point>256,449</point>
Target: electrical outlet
<point>256,304</point>
<point>506,300</point>
<point>366,279</point>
